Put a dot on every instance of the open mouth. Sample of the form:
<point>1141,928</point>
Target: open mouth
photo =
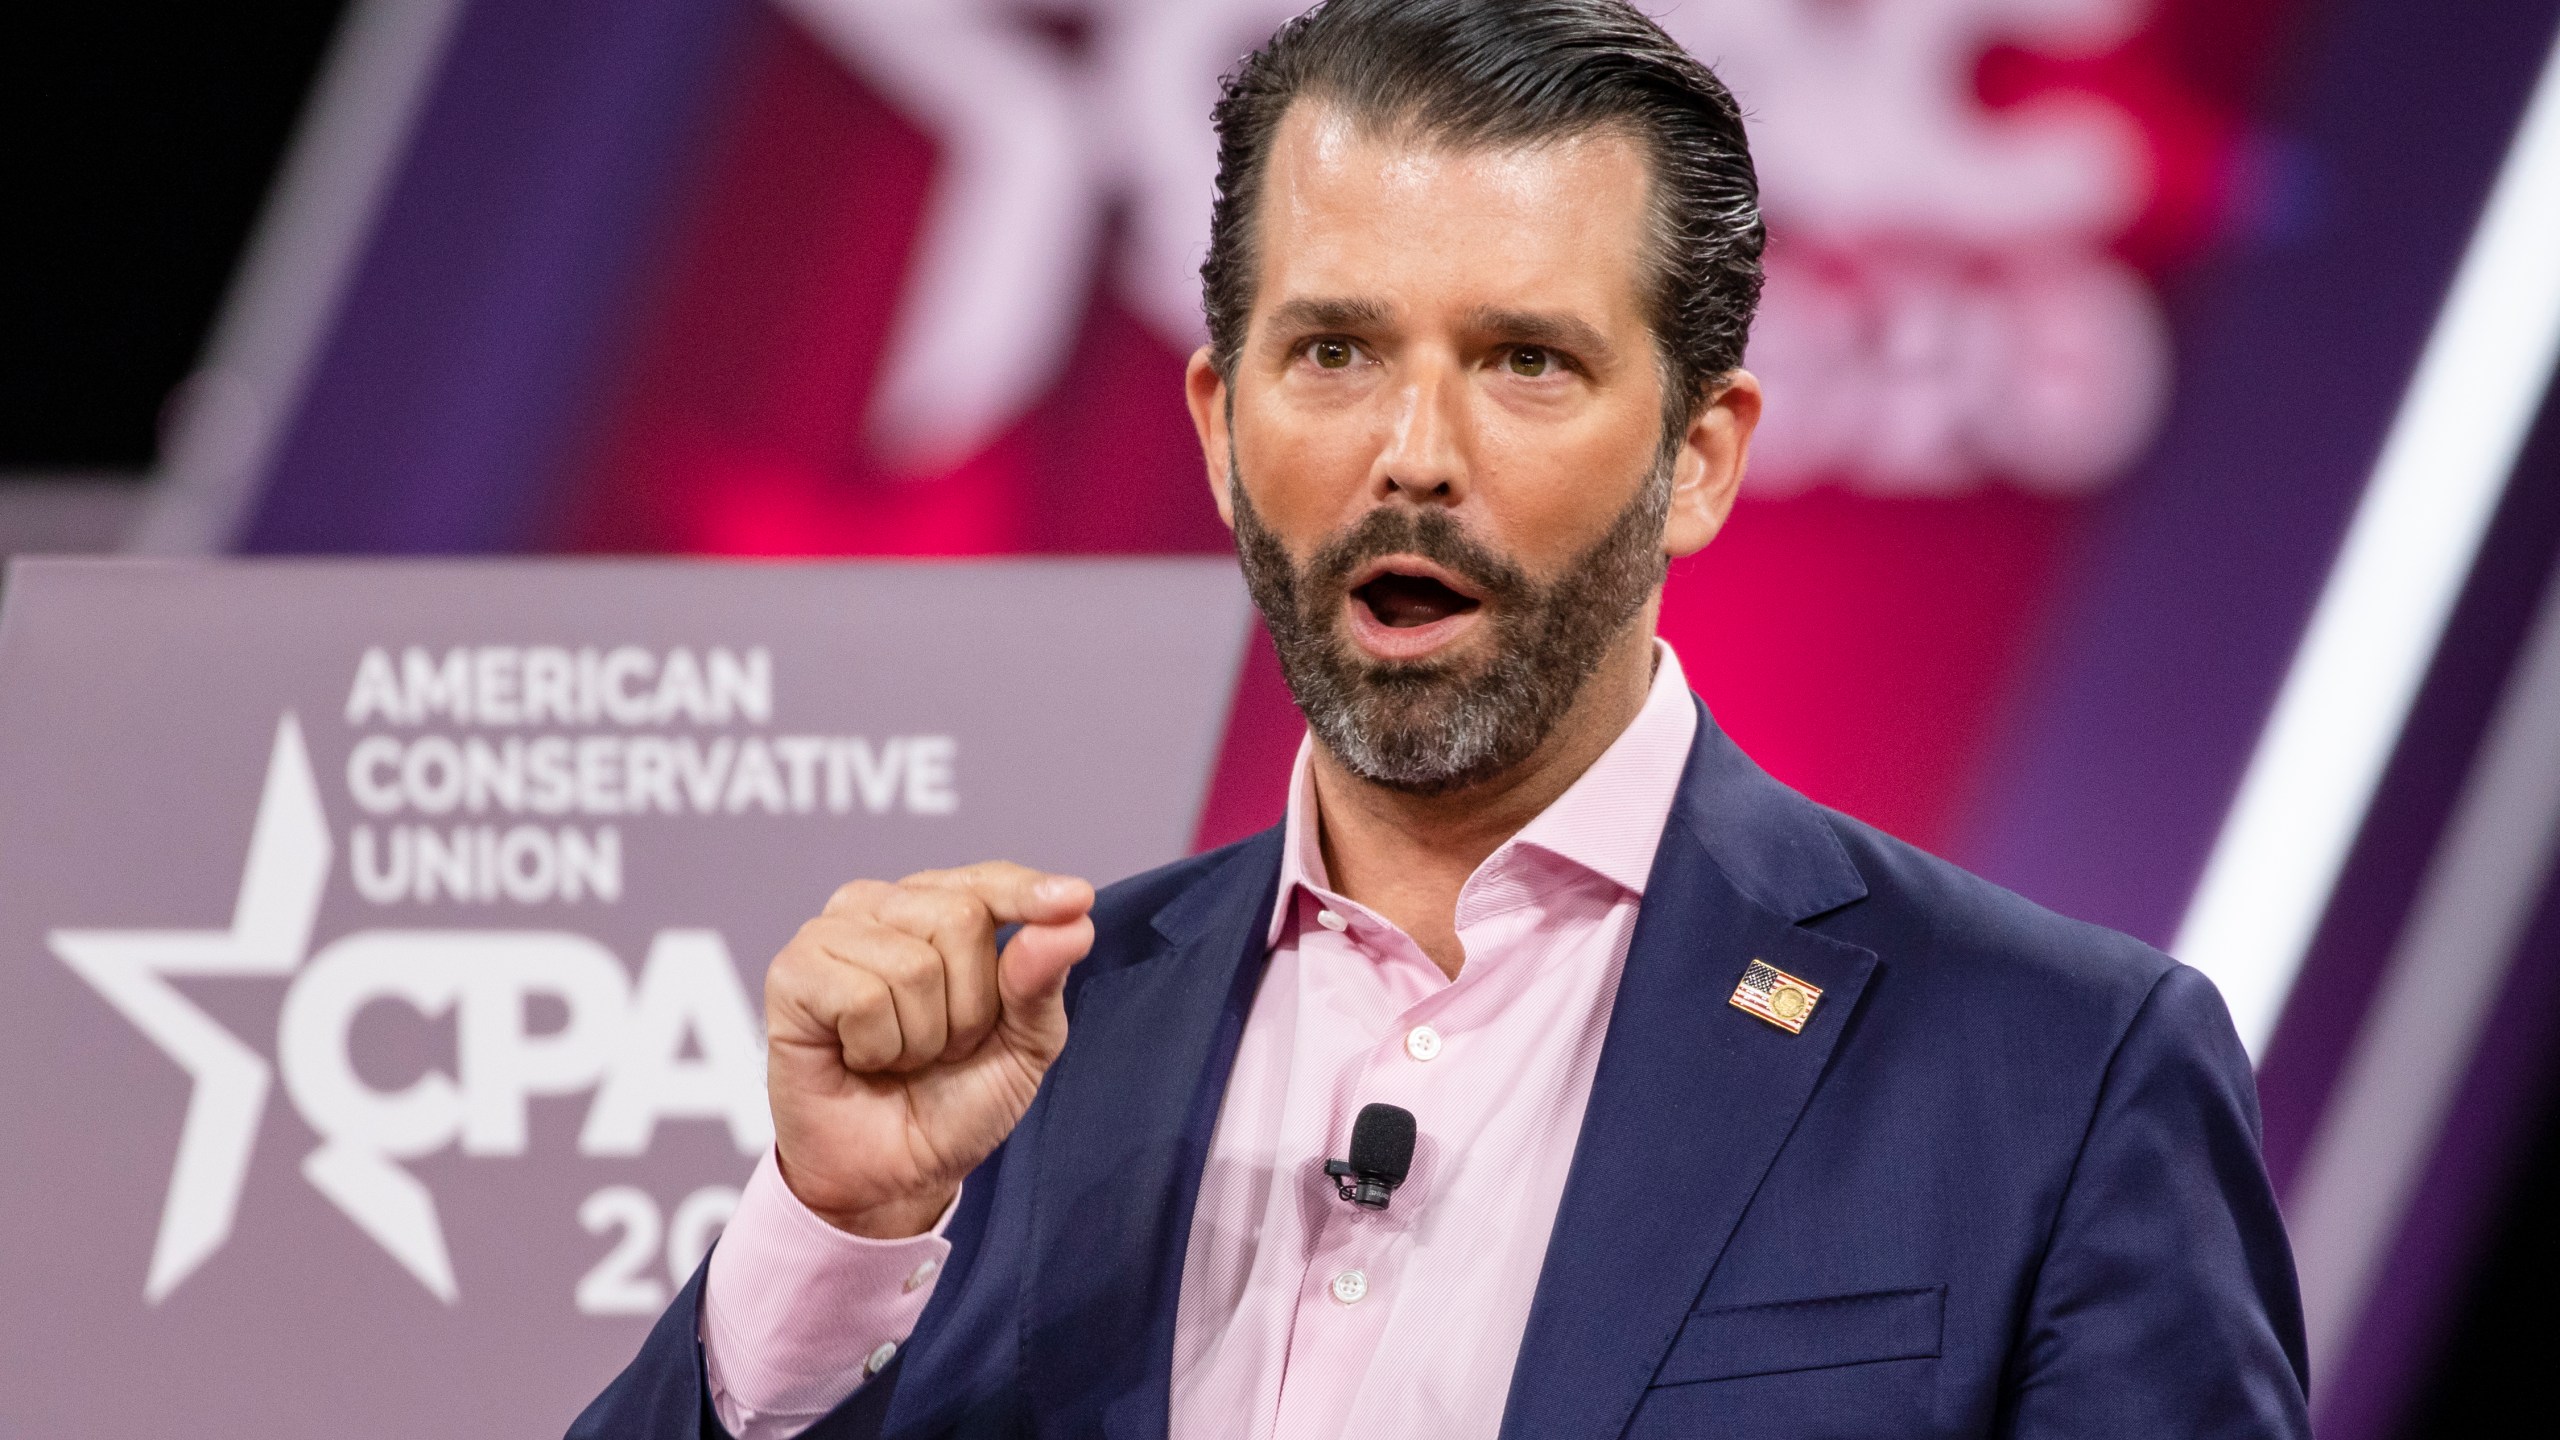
<point>1402,596</point>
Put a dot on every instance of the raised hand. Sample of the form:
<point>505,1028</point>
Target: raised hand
<point>903,1048</point>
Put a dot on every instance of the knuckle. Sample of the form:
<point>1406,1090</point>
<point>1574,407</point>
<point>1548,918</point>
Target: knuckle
<point>864,998</point>
<point>1011,877</point>
<point>797,971</point>
<point>939,913</point>
<point>912,964</point>
<point>992,877</point>
<point>790,963</point>
<point>919,902</point>
<point>826,941</point>
<point>856,897</point>
<point>963,914</point>
<point>868,944</point>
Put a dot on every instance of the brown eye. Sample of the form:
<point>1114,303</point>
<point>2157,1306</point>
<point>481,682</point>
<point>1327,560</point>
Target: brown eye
<point>1530,361</point>
<point>1331,354</point>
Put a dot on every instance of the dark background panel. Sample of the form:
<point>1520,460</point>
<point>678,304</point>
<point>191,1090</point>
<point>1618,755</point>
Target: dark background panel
<point>136,145</point>
<point>2492,1359</point>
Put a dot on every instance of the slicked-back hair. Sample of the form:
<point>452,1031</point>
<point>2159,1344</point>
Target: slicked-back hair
<point>1496,74</point>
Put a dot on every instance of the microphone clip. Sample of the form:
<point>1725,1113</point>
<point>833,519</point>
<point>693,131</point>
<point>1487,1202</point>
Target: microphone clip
<point>1368,1191</point>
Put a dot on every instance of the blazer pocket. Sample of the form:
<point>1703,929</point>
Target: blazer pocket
<point>1731,1341</point>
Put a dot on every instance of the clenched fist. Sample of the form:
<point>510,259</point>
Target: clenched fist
<point>903,1047</point>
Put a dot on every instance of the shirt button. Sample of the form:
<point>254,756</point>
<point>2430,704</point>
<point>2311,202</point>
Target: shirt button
<point>1422,1042</point>
<point>880,1358</point>
<point>1332,922</point>
<point>922,1275</point>
<point>1350,1286</point>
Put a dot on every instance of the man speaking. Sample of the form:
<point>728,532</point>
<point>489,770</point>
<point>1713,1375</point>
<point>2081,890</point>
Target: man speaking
<point>1550,1071</point>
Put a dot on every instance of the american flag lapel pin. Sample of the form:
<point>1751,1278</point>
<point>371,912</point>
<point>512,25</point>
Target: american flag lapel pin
<point>1776,996</point>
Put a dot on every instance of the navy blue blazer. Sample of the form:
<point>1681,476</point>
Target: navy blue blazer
<point>2005,1183</point>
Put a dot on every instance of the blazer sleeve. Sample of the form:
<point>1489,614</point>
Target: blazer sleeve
<point>665,1394</point>
<point>2166,1302</point>
<point>662,1394</point>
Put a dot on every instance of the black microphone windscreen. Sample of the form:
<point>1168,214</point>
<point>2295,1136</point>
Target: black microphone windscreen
<point>1382,1142</point>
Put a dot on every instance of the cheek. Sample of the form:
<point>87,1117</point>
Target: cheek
<point>1307,473</point>
<point>1553,491</point>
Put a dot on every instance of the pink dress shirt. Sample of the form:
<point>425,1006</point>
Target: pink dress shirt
<point>1301,1315</point>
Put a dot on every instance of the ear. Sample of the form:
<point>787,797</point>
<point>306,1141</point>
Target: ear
<point>1206,393</point>
<point>1707,474</point>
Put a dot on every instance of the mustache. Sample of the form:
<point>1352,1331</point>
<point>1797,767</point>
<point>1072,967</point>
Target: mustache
<point>1431,534</point>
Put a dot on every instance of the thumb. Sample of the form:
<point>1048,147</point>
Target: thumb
<point>1031,979</point>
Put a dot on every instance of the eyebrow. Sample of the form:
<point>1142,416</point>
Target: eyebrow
<point>1525,327</point>
<point>1530,327</point>
<point>1328,313</point>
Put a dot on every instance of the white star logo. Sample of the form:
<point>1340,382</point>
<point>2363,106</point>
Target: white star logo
<point>624,1041</point>
<point>289,853</point>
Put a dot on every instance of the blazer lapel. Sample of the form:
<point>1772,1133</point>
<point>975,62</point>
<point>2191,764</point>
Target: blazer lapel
<point>1693,1097</point>
<point>1132,1102</point>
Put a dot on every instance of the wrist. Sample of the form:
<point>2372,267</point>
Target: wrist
<point>898,1218</point>
<point>902,1219</point>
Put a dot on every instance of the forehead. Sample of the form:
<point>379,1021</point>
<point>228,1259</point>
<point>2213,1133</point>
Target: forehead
<point>1355,210</point>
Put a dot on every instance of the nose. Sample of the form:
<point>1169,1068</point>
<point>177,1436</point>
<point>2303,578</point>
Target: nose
<point>1424,458</point>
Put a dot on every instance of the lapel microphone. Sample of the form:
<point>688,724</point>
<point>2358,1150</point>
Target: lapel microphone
<point>1381,1153</point>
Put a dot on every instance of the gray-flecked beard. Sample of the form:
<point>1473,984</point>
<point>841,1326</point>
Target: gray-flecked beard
<point>1430,727</point>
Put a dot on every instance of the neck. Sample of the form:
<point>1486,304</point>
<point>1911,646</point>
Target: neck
<point>1407,856</point>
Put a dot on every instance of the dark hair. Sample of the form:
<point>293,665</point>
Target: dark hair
<point>1512,72</point>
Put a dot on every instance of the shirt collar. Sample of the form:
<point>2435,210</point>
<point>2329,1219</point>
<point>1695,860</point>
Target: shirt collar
<point>1608,822</point>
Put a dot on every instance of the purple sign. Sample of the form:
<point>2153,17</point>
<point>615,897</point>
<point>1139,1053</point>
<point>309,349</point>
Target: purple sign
<point>384,941</point>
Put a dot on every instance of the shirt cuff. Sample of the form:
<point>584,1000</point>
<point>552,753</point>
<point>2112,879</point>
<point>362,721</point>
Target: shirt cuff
<point>797,1313</point>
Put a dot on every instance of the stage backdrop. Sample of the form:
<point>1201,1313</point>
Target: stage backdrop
<point>2087,323</point>
<point>384,944</point>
